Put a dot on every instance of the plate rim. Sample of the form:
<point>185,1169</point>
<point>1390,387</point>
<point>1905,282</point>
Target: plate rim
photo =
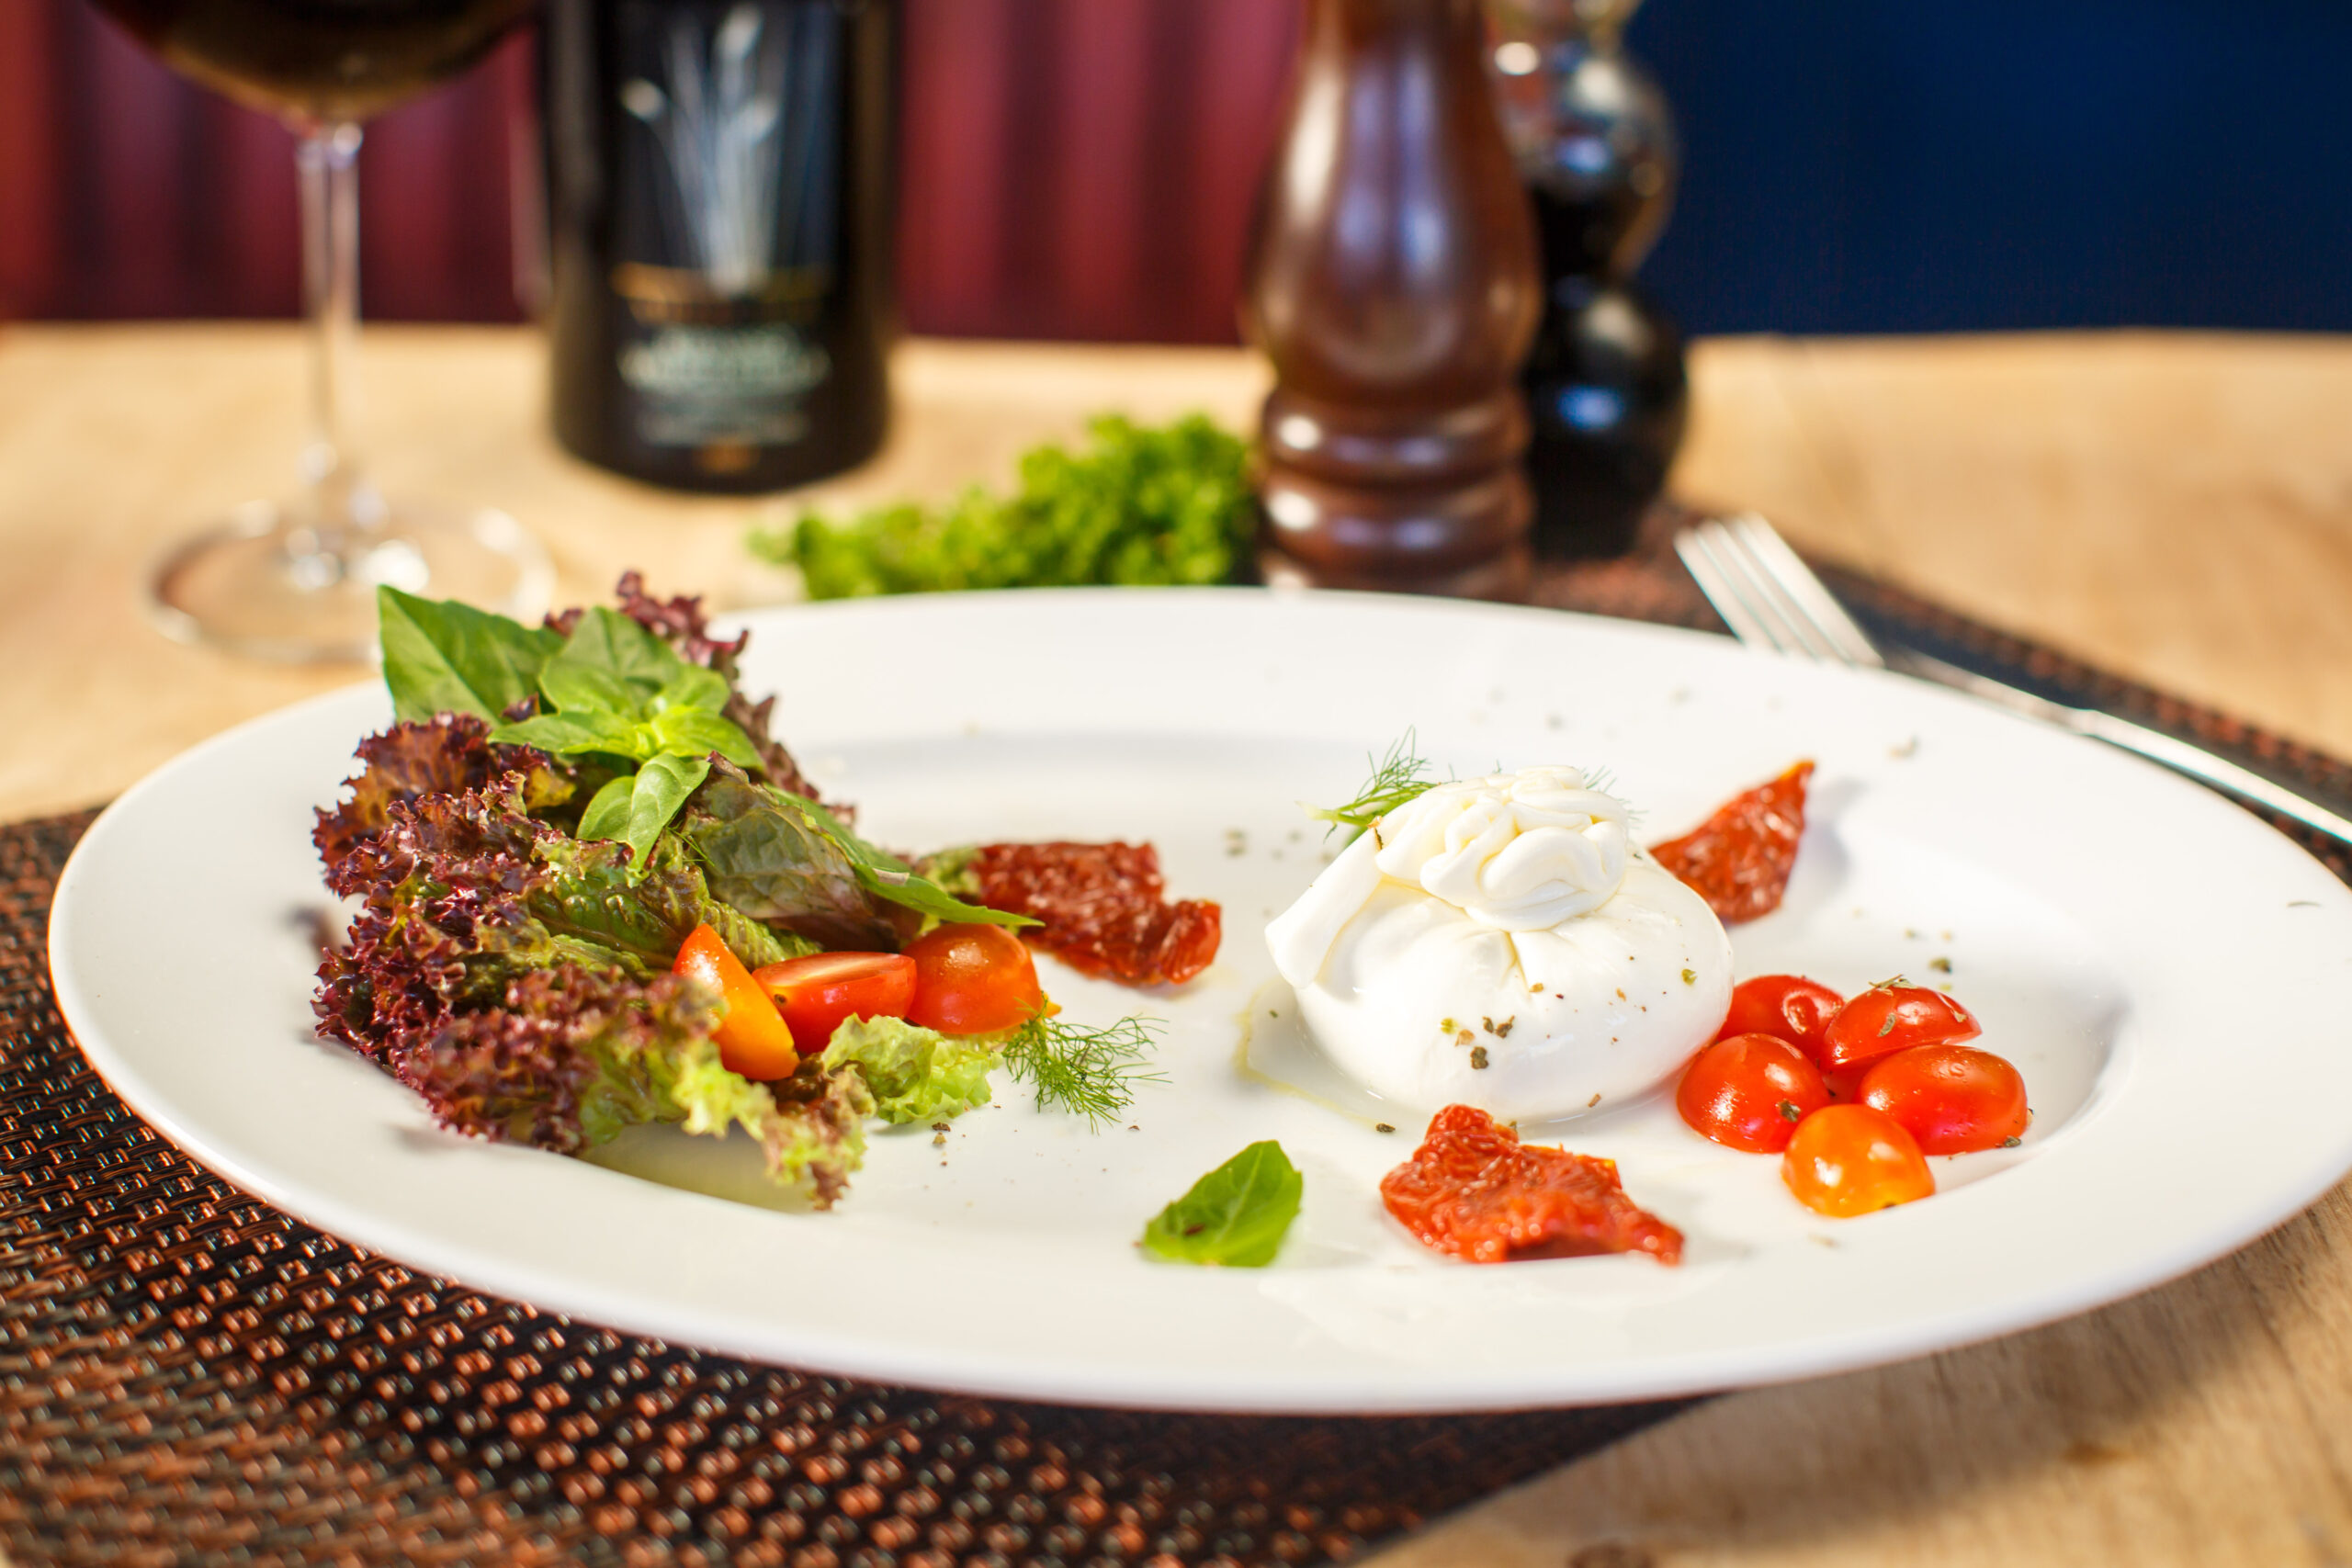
<point>960,1370</point>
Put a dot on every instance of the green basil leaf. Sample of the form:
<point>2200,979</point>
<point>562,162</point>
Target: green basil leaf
<point>1235,1215</point>
<point>567,734</point>
<point>662,785</point>
<point>951,870</point>
<point>889,877</point>
<point>696,687</point>
<point>687,732</point>
<point>608,814</point>
<point>444,657</point>
<point>617,646</point>
<point>581,689</point>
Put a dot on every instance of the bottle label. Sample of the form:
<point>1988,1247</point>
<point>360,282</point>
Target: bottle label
<point>727,218</point>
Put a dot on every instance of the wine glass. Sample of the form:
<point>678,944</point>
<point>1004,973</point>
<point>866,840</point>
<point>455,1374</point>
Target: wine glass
<point>296,580</point>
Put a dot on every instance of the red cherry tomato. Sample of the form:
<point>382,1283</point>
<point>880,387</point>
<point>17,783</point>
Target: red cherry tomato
<point>1849,1159</point>
<point>1951,1099</point>
<point>973,979</point>
<point>816,993</point>
<point>1749,1093</point>
<point>1845,1083</point>
<point>753,1037</point>
<point>1787,1007</point>
<point>1887,1018</point>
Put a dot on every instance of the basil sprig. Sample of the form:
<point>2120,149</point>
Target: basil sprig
<point>611,690</point>
<point>615,692</point>
<point>616,689</point>
<point>1235,1215</point>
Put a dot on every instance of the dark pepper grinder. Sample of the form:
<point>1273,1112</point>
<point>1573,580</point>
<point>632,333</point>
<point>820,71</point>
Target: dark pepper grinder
<point>1392,280</point>
<point>1606,386</point>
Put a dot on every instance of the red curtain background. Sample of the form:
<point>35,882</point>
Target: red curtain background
<point>1069,169</point>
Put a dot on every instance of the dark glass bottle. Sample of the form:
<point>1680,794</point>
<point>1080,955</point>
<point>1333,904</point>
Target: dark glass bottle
<point>1606,389</point>
<point>720,195</point>
<point>1608,396</point>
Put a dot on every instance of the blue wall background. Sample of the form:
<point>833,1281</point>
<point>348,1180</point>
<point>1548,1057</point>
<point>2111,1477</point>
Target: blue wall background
<point>1890,165</point>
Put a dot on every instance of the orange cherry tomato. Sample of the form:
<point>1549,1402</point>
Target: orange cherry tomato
<point>753,1037</point>
<point>1849,1159</point>
<point>1787,1007</point>
<point>1887,1018</point>
<point>816,993</point>
<point>1749,1093</point>
<point>1950,1098</point>
<point>973,979</point>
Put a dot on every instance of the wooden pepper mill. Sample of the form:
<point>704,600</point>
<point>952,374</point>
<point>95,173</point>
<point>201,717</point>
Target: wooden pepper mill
<point>1393,281</point>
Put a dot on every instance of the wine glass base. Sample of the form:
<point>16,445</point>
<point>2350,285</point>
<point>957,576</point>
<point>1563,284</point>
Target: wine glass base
<point>262,584</point>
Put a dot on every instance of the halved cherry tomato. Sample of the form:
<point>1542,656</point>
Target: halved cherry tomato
<point>1749,1093</point>
<point>1787,1007</point>
<point>973,979</point>
<point>754,1039</point>
<point>1950,1098</point>
<point>1887,1018</point>
<point>1849,1159</point>
<point>817,992</point>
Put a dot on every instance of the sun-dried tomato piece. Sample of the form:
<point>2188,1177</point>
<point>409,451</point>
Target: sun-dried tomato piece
<point>1739,859</point>
<point>1475,1191</point>
<point>1101,907</point>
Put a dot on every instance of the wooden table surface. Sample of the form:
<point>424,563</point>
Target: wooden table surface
<point>2177,508</point>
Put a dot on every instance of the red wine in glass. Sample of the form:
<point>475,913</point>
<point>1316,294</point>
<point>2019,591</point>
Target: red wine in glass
<point>297,580</point>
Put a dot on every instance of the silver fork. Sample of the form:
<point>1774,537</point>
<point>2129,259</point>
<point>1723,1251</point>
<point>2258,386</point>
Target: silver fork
<point>1771,599</point>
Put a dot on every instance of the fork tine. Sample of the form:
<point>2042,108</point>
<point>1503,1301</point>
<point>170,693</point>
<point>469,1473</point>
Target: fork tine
<point>1763,594</point>
<point>1745,595</point>
<point>1807,599</point>
<point>1725,592</point>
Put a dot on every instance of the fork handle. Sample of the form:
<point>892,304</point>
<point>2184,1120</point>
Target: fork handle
<point>2180,756</point>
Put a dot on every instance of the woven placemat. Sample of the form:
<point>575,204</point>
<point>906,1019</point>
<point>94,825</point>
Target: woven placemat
<point>188,1375</point>
<point>192,1376</point>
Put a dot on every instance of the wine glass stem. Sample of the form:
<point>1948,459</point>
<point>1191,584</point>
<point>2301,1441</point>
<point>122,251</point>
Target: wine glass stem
<point>341,500</point>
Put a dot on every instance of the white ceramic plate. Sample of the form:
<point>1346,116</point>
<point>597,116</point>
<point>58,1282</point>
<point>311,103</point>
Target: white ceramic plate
<point>2171,975</point>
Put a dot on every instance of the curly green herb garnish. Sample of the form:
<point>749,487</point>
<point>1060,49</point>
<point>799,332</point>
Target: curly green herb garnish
<point>1134,504</point>
<point>1401,776</point>
<point>1086,1071</point>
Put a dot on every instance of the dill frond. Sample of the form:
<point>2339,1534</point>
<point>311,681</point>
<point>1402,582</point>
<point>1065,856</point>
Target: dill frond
<point>1398,776</point>
<point>1089,1072</point>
